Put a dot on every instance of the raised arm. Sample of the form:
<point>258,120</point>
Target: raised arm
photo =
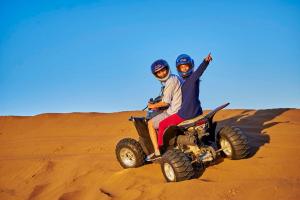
<point>202,67</point>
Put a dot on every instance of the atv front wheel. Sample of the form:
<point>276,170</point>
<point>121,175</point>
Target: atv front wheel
<point>233,143</point>
<point>176,166</point>
<point>130,153</point>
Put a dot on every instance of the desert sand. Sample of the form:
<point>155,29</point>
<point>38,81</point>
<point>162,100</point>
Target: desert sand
<point>72,157</point>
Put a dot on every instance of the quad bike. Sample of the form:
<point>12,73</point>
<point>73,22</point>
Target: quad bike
<point>187,148</point>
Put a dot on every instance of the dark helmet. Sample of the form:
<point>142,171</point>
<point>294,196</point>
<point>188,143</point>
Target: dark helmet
<point>159,65</point>
<point>185,59</point>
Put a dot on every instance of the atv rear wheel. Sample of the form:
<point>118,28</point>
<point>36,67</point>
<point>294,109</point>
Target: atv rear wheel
<point>176,166</point>
<point>130,153</point>
<point>233,143</point>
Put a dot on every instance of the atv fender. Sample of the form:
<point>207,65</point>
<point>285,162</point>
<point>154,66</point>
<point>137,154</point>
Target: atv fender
<point>140,124</point>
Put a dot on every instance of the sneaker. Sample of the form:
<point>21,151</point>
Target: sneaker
<point>152,157</point>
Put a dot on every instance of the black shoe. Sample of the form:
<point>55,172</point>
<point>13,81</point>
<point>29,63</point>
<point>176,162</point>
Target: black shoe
<point>152,157</point>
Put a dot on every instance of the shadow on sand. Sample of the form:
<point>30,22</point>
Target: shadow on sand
<point>254,125</point>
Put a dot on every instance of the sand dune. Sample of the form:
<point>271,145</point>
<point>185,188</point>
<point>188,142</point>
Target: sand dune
<point>71,156</point>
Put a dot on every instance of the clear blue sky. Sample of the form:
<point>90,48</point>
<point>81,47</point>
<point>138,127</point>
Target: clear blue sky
<point>95,56</point>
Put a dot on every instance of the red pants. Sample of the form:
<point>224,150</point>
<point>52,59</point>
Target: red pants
<point>172,120</point>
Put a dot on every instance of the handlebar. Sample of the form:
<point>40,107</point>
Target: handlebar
<point>153,101</point>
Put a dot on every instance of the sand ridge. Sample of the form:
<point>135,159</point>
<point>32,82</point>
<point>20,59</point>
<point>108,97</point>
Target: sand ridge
<point>71,156</point>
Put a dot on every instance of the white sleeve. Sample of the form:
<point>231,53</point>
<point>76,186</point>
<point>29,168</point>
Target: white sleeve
<point>169,90</point>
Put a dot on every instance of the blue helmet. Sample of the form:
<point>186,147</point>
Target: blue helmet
<point>159,65</point>
<point>185,59</point>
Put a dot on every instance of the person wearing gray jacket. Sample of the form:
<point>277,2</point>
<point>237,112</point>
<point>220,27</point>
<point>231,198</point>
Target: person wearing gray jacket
<point>171,98</point>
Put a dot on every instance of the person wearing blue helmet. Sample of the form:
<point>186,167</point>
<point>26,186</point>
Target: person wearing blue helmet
<point>184,65</point>
<point>171,98</point>
<point>191,106</point>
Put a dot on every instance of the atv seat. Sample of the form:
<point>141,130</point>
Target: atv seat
<point>201,118</point>
<point>191,122</point>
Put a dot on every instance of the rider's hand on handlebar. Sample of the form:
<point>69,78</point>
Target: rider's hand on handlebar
<point>208,58</point>
<point>151,106</point>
